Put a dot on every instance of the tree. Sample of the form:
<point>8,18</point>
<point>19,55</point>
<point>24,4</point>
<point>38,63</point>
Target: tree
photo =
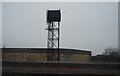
<point>112,54</point>
<point>111,51</point>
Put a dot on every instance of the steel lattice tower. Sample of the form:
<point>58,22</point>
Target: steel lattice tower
<point>53,27</point>
<point>53,22</point>
<point>53,35</point>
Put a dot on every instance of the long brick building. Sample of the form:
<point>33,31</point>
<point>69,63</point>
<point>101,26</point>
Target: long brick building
<point>43,55</point>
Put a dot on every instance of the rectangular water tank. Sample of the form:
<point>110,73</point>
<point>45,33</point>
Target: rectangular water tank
<point>53,16</point>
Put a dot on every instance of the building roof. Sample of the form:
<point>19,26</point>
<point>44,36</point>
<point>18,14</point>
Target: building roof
<point>38,50</point>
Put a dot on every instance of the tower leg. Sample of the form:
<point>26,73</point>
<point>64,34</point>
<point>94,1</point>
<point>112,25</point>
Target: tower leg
<point>53,38</point>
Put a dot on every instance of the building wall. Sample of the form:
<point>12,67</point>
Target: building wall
<point>75,57</point>
<point>80,57</point>
<point>44,56</point>
<point>24,56</point>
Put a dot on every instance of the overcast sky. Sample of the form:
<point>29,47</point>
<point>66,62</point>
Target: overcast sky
<point>85,25</point>
<point>0,24</point>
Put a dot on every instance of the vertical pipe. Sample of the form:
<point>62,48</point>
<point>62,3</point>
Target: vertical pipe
<point>58,40</point>
<point>48,43</point>
<point>52,36</point>
<point>48,55</point>
<point>58,33</point>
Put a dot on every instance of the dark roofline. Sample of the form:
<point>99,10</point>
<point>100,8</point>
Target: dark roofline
<point>37,50</point>
<point>47,49</point>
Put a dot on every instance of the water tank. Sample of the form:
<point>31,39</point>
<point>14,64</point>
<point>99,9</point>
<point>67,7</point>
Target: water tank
<point>53,16</point>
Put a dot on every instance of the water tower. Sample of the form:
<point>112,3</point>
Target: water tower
<point>53,27</point>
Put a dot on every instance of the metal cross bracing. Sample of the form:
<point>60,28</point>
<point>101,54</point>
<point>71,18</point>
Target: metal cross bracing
<point>53,39</point>
<point>53,35</point>
<point>53,27</point>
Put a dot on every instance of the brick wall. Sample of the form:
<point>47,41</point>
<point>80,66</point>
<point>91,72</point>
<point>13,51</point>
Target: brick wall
<point>43,55</point>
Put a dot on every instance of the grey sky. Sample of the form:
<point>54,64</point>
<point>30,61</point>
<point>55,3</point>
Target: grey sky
<point>0,24</point>
<point>85,25</point>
